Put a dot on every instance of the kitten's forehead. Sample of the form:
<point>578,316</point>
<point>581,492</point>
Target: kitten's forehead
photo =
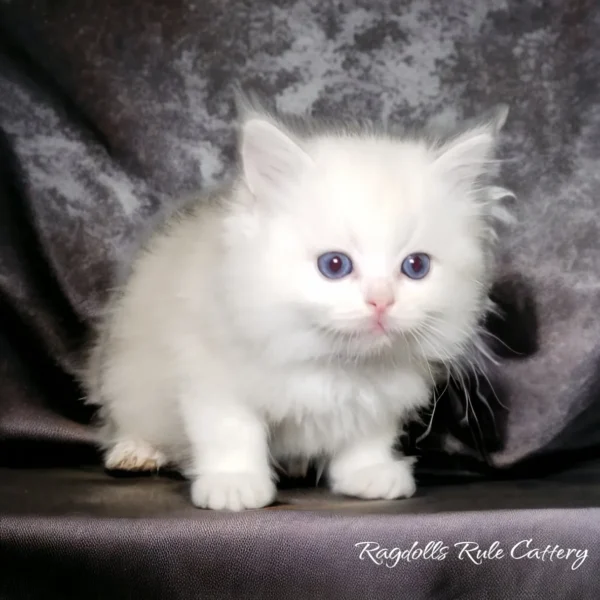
<point>368,191</point>
<point>369,156</point>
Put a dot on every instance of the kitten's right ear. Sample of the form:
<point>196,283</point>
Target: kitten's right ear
<point>271,160</point>
<point>470,154</point>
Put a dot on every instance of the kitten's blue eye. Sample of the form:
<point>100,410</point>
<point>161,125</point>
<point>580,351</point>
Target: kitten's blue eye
<point>334,265</point>
<point>416,266</point>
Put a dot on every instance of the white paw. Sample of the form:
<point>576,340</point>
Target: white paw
<point>134,456</point>
<point>233,491</point>
<point>386,481</point>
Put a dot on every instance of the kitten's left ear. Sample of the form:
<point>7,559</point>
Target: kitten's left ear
<point>470,154</point>
<point>271,160</point>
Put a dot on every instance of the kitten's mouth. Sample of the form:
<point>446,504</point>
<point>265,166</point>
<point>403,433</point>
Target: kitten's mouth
<point>379,328</point>
<point>374,329</point>
<point>377,332</point>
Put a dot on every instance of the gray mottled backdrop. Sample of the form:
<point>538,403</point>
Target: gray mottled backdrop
<point>108,110</point>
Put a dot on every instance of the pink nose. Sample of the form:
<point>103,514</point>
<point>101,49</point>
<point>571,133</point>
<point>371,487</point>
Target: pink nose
<point>380,305</point>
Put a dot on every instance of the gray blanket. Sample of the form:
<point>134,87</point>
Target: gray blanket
<point>112,110</point>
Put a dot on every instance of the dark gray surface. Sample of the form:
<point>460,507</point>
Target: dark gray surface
<point>81,534</point>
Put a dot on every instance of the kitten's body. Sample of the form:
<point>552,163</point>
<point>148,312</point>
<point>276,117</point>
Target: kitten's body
<point>226,345</point>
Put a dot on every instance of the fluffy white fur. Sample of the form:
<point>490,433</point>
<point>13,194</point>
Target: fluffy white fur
<point>227,351</point>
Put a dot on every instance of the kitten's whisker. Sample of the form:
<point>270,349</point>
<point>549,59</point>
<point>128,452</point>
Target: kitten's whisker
<point>484,374</point>
<point>432,415</point>
<point>503,343</point>
<point>484,401</point>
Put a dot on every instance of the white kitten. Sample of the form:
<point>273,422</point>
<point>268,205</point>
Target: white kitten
<point>302,315</point>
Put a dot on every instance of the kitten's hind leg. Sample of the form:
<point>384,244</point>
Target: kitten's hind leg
<point>133,455</point>
<point>125,449</point>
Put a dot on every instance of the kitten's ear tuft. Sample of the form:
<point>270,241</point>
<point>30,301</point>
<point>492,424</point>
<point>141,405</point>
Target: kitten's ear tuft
<point>271,160</point>
<point>499,117</point>
<point>249,103</point>
<point>470,154</point>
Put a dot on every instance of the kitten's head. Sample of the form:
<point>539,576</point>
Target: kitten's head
<point>354,243</point>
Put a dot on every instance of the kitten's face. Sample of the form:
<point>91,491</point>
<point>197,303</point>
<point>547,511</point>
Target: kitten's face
<point>364,245</point>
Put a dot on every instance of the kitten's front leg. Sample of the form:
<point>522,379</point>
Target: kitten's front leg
<point>368,468</point>
<point>230,460</point>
